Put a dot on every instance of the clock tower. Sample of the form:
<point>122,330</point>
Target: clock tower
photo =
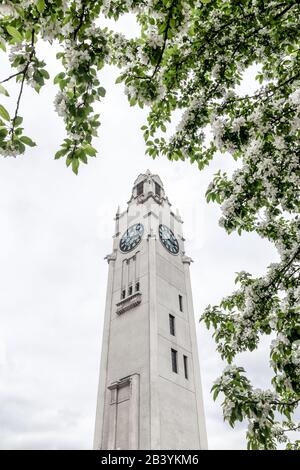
<point>149,394</point>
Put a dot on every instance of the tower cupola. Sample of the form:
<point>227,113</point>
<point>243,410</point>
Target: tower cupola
<point>148,185</point>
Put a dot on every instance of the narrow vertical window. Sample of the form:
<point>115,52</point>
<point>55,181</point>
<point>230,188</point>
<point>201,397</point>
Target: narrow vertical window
<point>185,366</point>
<point>140,188</point>
<point>172,324</point>
<point>157,189</point>
<point>180,303</point>
<point>123,294</point>
<point>130,290</point>
<point>174,360</point>
<point>137,286</point>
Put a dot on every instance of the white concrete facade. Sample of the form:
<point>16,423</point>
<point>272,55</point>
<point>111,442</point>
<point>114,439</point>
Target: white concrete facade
<point>142,402</point>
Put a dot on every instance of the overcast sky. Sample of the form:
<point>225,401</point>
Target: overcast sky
<point>56,229</point>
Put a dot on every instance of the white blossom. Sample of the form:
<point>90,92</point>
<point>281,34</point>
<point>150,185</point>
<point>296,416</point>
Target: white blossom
<point>295,97</point>
<point>11,150</point>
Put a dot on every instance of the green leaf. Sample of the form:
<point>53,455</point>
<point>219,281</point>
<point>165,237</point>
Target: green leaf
<point>69,161</point>
<point>61,153</point>
<point>28,35</point>
<point>20,146</point>
<point>2,45</point>
<point>18,121</point>
<point>3,90</point>
<point>3,133</point>
<point>45,74</point>
<point>37,88</point>
<point>4,113</point>
<point>14,33</point>
<point>83,156</point>
<point>90,150</point>
<point>102,91</point>
<point>38,77</point>
<point>26,140</point>
<point>59,77</point>
<point>41,5</point>
<point>75,165</point>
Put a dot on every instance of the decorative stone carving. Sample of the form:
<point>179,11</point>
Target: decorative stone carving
<point>111,257</point>
<point>129,302</point>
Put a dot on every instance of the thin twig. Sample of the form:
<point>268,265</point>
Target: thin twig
<point>12,130</point>
<point>14,75</point>
<point>292,429</point>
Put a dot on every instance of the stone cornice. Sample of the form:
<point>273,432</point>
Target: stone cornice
<point>186,259</point>
<point>123,381</point>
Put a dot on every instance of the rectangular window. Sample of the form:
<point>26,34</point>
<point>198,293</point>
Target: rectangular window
<point>130,290</point>
<point>123,294</point>
<point>172,324</point>
<point>140,188</point>
<point>137,287</point>
<point>157,189</point>
<point>180,303</point>
<point>185,366</point>
<point>174,361</point>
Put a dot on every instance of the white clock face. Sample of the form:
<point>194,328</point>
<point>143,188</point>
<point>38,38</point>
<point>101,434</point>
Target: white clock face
<point>168,239</point>
<point>131,238</point>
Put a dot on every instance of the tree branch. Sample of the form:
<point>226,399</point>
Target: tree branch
<point>81,20</point>
<point>285,10</point>
<point>147,77</point>
<point>273,402</point>
<point>283,269</point>
<point>165,40</point>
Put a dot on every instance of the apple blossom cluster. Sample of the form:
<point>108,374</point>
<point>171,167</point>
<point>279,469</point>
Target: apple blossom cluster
<point>243,402</point>
<point>266,305</point>
<point>10,150</point>
<point>79,89</point>
<point>24,55</point>
<point>7,9</point>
